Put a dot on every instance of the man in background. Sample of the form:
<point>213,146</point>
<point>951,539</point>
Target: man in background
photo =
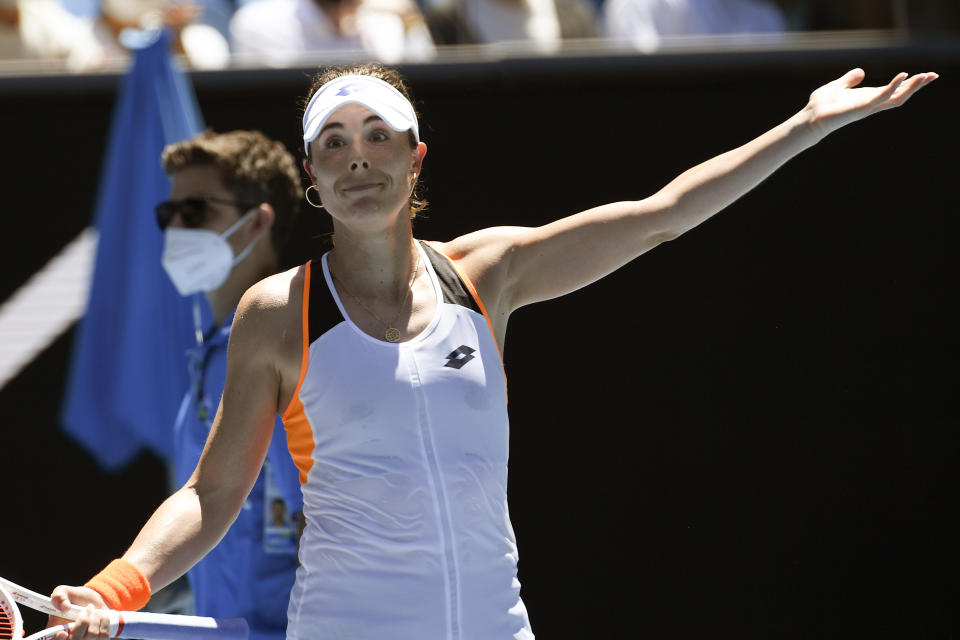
<point>233,203</point>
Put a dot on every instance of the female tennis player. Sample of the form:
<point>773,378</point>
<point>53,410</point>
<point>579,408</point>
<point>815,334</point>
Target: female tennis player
<point>383,356</point>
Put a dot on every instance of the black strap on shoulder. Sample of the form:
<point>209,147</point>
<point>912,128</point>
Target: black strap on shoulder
<point>323,313</point>
<point>451,285</point>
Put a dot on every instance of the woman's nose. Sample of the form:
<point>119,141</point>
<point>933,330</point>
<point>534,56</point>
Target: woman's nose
<point>359,160</point>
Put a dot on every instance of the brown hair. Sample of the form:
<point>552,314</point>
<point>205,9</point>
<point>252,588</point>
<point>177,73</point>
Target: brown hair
<point>417,202</point>
<point>252,166</point>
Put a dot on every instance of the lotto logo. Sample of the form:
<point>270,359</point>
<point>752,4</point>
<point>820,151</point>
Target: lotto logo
<point>460,356</point>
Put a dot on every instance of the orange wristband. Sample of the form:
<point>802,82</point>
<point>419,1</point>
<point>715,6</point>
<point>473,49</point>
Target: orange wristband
<point>122,586</point>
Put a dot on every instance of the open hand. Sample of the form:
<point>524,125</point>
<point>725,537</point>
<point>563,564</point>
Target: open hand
<point>841,102</point>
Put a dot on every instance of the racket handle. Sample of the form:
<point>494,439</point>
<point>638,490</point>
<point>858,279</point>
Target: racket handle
<point>158,626</point>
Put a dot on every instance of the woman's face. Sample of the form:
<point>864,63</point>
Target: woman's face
<point>364,170</point>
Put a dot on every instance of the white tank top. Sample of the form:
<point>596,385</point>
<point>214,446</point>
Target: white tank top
<point>402,450</point>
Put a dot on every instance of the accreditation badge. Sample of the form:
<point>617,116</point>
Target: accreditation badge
<point>280,525</point>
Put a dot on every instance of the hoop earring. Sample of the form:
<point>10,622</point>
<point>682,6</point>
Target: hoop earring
<point>306,194</point>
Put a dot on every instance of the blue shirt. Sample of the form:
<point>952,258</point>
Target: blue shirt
<point>251,571</point>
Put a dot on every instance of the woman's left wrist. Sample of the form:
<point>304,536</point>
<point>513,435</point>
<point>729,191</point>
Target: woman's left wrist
<point>807,123</point>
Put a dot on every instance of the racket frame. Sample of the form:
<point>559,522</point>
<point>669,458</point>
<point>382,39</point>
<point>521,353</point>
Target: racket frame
<point>150,625</point>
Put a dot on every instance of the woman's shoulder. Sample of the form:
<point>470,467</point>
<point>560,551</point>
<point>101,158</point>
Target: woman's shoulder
<point>274,297</point>
<point>482,241</point>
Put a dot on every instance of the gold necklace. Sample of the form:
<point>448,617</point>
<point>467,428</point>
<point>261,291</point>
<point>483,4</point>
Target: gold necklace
<point>392,334</point>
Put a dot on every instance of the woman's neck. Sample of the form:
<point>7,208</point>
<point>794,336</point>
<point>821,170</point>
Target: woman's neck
<point>374,266</point>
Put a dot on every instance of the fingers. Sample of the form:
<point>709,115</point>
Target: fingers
<point>103,623</point>
<point>852,78</point>
<point>61,598</point>
<point>902,88</point>
<point>893,85</point>
<point>91,623</point>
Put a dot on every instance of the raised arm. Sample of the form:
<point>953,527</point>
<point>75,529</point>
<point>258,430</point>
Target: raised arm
<point>518,266</point>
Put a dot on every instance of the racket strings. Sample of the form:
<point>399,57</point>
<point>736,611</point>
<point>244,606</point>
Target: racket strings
<point>8,627</point>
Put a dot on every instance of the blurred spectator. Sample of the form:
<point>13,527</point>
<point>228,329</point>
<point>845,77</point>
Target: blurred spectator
<point>216,13</point>
<point>645,22</point>
<point>203,46</point>
<point>11,44</point>
<point>280,32</point>
<point>43,29</point>
<point>544,23</point>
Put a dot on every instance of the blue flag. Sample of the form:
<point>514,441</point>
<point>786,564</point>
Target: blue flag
<point>128,372</point>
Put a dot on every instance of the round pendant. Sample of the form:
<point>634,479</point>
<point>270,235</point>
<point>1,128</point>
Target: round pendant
<point>392,335</point>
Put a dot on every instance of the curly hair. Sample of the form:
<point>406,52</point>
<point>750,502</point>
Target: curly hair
<point>417,202</point>
<point>252,166</point>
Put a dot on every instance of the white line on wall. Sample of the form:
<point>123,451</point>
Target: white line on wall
<point>46,306</point>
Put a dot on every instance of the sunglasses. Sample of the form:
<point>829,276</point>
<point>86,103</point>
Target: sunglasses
<point>193,211</point>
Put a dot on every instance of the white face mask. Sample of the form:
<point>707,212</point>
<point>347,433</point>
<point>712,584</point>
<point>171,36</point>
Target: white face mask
<point>201,260</point>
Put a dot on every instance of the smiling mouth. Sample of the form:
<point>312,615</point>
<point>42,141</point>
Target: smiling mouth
<point>361,187</point>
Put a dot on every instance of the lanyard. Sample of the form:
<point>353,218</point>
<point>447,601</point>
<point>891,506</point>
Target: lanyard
<point>197,359</point>
<point>197,320</point>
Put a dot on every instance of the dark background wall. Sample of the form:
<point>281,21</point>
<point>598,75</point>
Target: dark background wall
<point>749,431</point>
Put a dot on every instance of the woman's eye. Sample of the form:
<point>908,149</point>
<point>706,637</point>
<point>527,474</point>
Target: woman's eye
<point>379,136</point>
<point>333,143</point>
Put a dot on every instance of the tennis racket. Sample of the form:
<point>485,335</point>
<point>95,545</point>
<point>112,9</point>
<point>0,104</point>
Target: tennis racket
<point>123,624</point>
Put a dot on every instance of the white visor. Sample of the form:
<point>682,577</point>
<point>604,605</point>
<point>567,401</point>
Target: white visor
<point>375,94</point>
